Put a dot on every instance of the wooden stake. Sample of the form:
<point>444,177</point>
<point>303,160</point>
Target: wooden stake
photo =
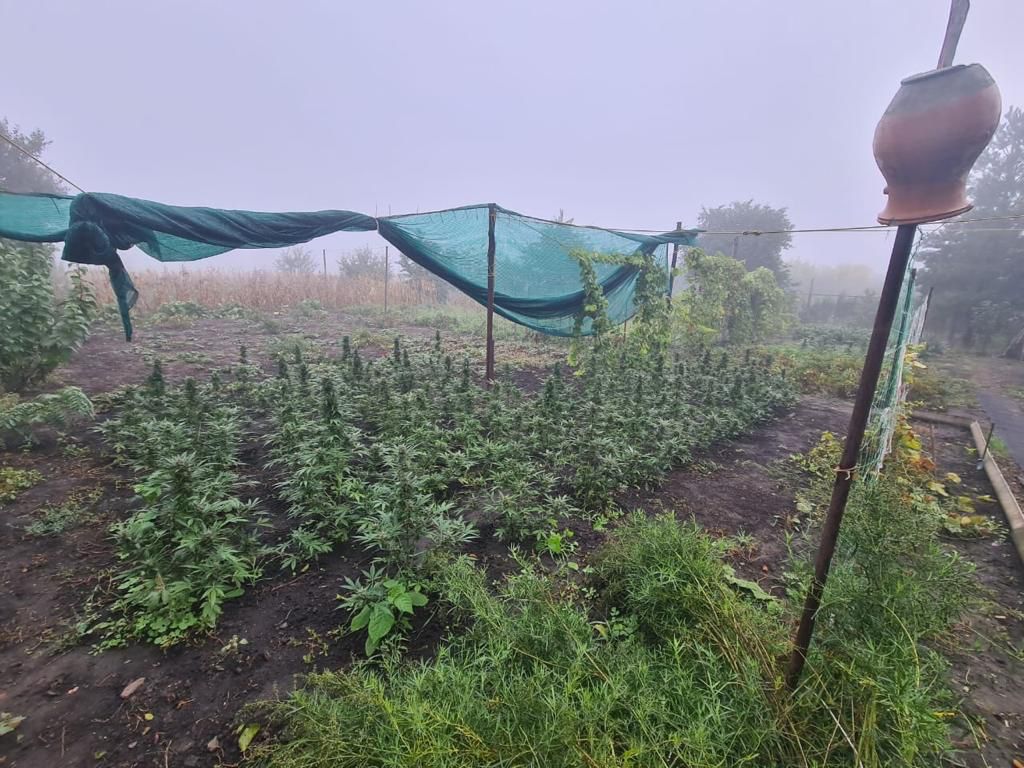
<point>387,270</point>
<point>325,262</point>
<point>492,215</point>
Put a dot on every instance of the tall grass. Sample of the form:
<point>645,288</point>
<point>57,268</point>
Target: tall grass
<point>664,660</point>
<point>268,291</point>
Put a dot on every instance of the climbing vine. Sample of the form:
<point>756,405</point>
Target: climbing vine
<point>650,332</point>
<point>723,302</point>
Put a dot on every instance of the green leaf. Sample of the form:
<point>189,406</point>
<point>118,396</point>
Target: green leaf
<point>247,735</point>
<point>403,602</point>
<point>418,599</point>
<point>361,619</point>
<point>9,722</point>
<point>381,622</point>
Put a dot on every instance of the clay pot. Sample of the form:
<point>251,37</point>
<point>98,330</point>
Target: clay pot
<point>936,126</point>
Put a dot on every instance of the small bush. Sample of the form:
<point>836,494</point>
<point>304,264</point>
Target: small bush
<point>53,408</point>
<point>40,332</point>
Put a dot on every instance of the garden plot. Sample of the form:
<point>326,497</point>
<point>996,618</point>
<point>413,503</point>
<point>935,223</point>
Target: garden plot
<point>236,522</point>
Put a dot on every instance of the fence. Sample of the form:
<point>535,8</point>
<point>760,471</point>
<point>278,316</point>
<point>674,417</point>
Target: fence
<point>272,291</point>
<point>891,394</point>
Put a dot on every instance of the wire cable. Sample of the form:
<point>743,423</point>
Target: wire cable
<point>732,233</point>
<point>30,156</point>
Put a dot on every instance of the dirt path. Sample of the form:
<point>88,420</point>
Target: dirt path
<point>1006,414</point>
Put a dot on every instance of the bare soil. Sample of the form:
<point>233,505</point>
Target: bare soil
<point>192,695</point>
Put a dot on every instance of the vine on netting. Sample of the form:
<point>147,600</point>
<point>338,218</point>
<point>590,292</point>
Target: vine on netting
<point>651,332</point>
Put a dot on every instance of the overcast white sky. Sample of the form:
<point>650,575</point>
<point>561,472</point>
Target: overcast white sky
<point>629,114</point>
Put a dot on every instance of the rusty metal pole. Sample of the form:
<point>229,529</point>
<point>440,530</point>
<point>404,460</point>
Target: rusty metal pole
<point>492,215</point>
<point>887,303</point>
<point>981,117</point>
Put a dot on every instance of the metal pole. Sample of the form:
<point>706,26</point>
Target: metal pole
<point>325,262</point>
<point>851,450</point>
<point>387,269</point>
<point>672,269</point>
<point>958,10</point>
<point>927,308</point>
<point>492,215</point>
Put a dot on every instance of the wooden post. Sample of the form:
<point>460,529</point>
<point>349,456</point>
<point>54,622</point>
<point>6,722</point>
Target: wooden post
<point>492,215</point>
<point>672,268</point>
<point>851,449</point>
<point>387,270</point>
<point>325,262</point>
<point>810,294</point>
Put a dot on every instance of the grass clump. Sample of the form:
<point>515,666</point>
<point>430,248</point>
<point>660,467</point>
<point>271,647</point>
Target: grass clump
<point>666,659</point>
<point>53,520</point>
<point>536,680</point>
<point>13,481</point>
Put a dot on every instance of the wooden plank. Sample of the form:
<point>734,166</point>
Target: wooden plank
<point>1011,509</point>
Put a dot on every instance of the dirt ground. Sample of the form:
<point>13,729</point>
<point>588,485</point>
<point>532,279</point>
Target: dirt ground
<point>184,712</point>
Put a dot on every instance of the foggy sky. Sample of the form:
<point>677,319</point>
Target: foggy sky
<point>629,115</point>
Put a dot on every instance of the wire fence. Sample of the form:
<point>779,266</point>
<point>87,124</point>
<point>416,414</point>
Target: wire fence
<point>891,394</point>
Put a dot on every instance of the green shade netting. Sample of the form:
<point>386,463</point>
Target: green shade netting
<point>537,282</point>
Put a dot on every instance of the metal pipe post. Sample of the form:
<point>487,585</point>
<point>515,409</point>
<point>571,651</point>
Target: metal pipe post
<point>672,268</point>
<point>851,449</point>
<point>387,270</point>
<point>492,215</point>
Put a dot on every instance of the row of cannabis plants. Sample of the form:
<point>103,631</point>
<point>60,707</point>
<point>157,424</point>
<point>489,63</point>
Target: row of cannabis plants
<point>405,455</point>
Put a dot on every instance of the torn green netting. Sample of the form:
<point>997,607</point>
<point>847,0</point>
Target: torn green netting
<point>537,281</point>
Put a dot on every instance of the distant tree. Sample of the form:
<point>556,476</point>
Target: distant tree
<point>753,251</point>
<point>420,277</point>
<point>41,330</point>
<point>561,218</point>
<point>22,174</point>
<point>296,261</point>
<point>362,262</point>
<point>977,270</point>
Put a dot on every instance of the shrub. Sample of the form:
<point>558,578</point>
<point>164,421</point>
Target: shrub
<point>40,332</point>
<point>53,408</point>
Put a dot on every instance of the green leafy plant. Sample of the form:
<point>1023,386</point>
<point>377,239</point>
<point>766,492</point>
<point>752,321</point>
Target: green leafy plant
<point>723,301</point>
<point>41,330</point>
<point>9,722</point>
<point>13,481</point>
<point>51,408</point>
<point>381,606</point>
